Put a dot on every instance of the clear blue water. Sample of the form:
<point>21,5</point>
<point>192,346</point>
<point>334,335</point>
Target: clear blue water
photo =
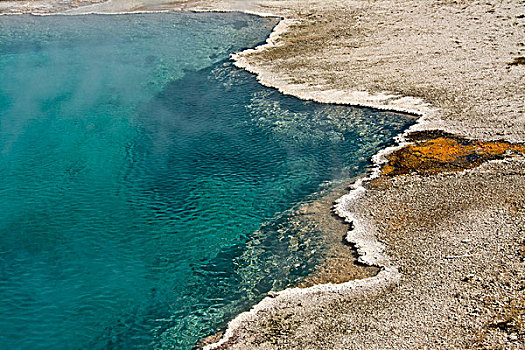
<point>147,186</point>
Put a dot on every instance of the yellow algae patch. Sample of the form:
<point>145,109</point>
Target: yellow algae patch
<point>441,149</point>
<point>446,152</point>
<point>499,148</point>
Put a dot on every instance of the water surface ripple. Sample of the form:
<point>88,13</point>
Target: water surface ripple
<point>148,186</point>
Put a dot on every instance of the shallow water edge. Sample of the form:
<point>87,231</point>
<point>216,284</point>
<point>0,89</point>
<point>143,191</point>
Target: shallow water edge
<point>361,236</point>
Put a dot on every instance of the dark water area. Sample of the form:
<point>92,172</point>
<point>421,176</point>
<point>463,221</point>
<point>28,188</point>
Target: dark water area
<point>148,185</point>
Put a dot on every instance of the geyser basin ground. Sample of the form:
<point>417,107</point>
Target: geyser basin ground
<point>148,186</point>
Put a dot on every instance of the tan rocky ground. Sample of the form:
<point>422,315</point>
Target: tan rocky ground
<point>453,266</point>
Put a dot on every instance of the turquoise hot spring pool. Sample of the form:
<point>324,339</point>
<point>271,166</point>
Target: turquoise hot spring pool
<point>147,184</point>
